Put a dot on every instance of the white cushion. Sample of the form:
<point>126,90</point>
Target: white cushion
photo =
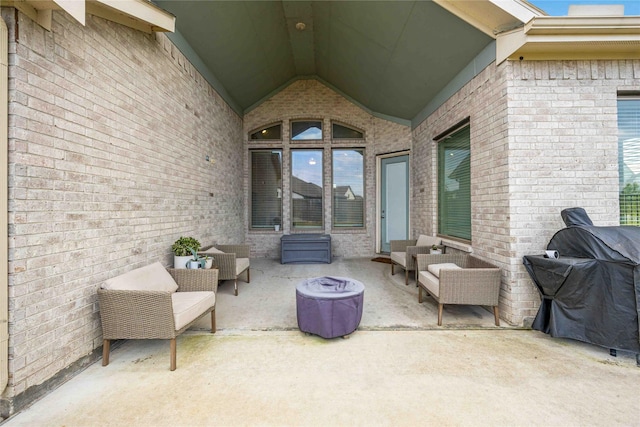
<point>399,258</point>
<point>211,250</point>
<point>153,277</point>
<point>241,265</point>
<point>430,282</point>
<point>435,268</point>
<point>424,240</point>
<point>188,306</point>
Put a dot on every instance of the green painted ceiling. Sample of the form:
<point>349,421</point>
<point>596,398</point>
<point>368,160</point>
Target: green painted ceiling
<point>392,57</point>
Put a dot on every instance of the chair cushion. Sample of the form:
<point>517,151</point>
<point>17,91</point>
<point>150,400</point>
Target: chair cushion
<point>399,258</point>
<point>430,282</point>
<point>241,265</point>
<point>188,306</point>
<point>153,277</point>
<point>424,240</point>
<point>211,250</point>
<point>435,268</point>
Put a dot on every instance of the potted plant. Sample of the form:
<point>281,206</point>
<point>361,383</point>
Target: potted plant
<point>435,250</point>
<point>276,223</point>
<point>196,261</point>
<point>182,251</point>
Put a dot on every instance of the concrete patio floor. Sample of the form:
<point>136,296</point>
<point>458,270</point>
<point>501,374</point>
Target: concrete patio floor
<point>398,369</point>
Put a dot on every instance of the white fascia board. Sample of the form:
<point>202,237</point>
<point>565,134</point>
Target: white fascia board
<point>572,38</point>
<point>75,8</point>
<point>492,17</point>
<point>138,14</point>
<point>154,18</point>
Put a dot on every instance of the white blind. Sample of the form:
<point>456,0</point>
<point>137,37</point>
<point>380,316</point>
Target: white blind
<point>266,188</point>
<point>629,160</point>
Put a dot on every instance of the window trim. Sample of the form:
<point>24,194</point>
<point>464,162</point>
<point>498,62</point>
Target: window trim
<point>250,201</point>
<point>440,138</point>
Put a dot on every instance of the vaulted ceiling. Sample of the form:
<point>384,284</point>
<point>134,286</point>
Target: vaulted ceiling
<point>392,57</point>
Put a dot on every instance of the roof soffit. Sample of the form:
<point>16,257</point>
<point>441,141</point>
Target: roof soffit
<point>138,14</point>
<point>572,37</point>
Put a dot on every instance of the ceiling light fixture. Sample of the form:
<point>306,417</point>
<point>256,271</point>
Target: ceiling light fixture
<point>300,26</point>
<point>312,161</point>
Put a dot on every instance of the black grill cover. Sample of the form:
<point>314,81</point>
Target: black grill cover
<point>592,292</point>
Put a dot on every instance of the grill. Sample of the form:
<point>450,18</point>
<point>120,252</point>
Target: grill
<point>591,292</point>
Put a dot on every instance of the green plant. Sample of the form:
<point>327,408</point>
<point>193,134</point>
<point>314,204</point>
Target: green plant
<point>434,247</point>
<point>201,260</point>
<point>184,245</point>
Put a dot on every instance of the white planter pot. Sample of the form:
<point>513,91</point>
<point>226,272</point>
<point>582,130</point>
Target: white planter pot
<point>208,263</point>
<point>435,251</point>
<point>193,265</point>
<point>181,261</point>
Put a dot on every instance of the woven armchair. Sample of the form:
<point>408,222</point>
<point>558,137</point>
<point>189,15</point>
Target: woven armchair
<point>404,251</point>
<point>459,279</point>
<point>231,261</point>
<point>149,314</point>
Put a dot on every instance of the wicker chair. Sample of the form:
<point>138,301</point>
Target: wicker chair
<point>231,261</point>
<point>149,314</point>
<point>459,279</point>
<point>404,251</point>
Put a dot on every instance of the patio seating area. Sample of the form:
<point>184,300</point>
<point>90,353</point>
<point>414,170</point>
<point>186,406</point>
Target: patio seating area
<point>399,368</point>
<point>269,301</point>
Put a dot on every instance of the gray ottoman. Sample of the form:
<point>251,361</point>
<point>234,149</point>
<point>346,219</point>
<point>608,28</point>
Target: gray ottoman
<point>329,306</point>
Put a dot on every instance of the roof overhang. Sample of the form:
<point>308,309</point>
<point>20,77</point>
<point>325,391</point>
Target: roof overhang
<point>138,14</point>
<point>492,16</point>
<point>572,37</point>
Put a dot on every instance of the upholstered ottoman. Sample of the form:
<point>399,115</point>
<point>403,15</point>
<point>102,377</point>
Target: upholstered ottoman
<point>329,306</point>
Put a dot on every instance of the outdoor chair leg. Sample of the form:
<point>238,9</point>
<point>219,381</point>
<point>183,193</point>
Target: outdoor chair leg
<point>392,271</point>
<point>248,275</point>
<point>105,352</point>
<point>406,277</point>
<point>420,295</point>
<point>213,321</point>
<point>440,307</point>
<point>496,315</point>
<point>235,286</point>
<point>173,354</point>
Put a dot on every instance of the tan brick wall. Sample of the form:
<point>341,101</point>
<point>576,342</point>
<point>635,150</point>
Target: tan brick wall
<point>109,129</point>
<point>563,152</point>
<point>543,138</point>
<point>310,99</point>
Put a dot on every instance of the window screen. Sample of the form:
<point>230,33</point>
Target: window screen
<point>454,185</point>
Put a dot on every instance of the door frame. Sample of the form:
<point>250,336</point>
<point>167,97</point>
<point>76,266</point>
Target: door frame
<point>379,158</point>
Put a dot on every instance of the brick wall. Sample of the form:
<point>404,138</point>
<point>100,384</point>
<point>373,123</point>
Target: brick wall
<point>310,99</point>
<point>563,152</point>
<point>543,138</point>
<point>109,129</point>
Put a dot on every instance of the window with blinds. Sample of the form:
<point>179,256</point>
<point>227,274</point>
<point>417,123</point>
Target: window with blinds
<point>629,159</point>
<point>306,189</point>
<point>454,184</point>
<point>348,188</point>
<point>266,188</point>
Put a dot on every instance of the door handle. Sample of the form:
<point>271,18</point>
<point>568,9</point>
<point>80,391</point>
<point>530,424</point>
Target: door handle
<point>382,216</point>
